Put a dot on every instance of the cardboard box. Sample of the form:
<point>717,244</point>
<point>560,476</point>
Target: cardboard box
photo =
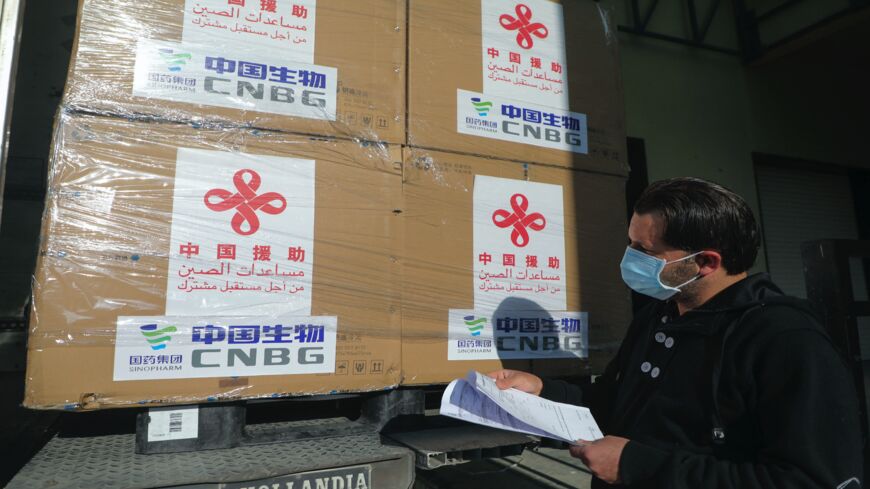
<point>514,80</point>
<point>471,226</point>
<point>149,255</point>
<point>322,67</point>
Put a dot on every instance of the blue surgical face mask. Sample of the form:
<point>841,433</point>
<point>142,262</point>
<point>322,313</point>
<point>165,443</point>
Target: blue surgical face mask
<point>643,272</point>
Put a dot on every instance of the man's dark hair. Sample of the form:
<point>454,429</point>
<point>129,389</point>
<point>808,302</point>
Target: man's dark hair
<point>701,215</point>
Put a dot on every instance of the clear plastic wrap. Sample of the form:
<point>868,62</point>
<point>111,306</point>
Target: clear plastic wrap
<point>534,81</point>
<point>170,256</point>
<point>213,234</point>
<point>509,264</point>
<point>323,67</point>
<point>514,189</point>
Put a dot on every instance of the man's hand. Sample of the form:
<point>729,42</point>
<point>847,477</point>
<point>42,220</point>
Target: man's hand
<point>526,382</point>
<point>602,456</point>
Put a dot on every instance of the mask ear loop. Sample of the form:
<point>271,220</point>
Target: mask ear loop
<point>696,277</point>
<point>686,257</point>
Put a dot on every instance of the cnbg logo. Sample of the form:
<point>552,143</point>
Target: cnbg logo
<point>475,325</point>
<point>482,107</point>
<point>157,338</point>
<point>503,119</point>
<point>174,61</point>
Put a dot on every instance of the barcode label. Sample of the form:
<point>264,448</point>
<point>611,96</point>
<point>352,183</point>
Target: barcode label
<point>173,423</point>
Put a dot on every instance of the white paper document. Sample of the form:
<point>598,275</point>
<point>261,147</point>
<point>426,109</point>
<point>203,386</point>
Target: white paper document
<point>477,399</point>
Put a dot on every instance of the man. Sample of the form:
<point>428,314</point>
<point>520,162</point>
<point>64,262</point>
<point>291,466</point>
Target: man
<point>723,382</point>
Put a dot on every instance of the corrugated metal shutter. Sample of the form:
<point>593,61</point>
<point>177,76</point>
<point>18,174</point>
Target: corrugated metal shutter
<point>798,206</point>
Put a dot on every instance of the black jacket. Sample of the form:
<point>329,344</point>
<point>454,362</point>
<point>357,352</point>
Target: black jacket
<point>744,392</point>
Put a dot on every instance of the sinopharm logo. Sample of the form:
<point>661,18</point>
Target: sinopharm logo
<point>482,107</point>
<point>157,338</point>
<point>475,325</point>
<point>174,61</point>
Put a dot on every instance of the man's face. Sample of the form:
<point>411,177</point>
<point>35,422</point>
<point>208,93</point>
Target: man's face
<point>645,234</point>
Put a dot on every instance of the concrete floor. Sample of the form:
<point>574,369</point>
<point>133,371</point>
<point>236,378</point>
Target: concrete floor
<point>534,469</point>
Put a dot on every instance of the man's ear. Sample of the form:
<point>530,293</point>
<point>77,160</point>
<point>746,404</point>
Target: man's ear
<point>708,262</point>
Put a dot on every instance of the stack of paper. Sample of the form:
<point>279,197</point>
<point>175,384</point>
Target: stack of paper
<point>477,399</point>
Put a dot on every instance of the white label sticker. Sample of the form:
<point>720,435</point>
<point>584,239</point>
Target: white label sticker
<point>524,51</point>
<point>517,334</point>
<point>242,239</point>
<point>520,122</point>
<point>96,199</point>
<point>173,423</point>
<point>519,245</point>
<point>101,199</point>
<point>284,28</point>
<point>234,78</point>
<point>166,347</point>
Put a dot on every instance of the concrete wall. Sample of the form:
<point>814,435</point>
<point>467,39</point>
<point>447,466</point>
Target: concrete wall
<point>691,109</point>
<point>813,103</point>
<point>689,105</point>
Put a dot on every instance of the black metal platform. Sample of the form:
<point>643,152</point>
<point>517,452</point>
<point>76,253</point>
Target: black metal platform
<point>112,462</point>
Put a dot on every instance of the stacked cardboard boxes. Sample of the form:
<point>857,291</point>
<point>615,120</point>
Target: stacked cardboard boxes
<point>221,222</point>
<point>241,205</point>
<point>324,67</point>
<point>514,189</point>
<point>531,81</point>
<point>148,290</point>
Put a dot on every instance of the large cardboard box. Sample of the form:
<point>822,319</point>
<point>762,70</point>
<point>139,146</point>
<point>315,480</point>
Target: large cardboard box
<point>509,264</point>
<point>181,264</point>
<point>532,80</point>
<point>324,67</point>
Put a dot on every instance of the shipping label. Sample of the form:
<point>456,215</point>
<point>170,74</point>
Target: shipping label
<point>517,334</point>
<point>178,347</point>
<point>234,78</point>
<point>519,245</point>
<point>284,28</point>
<point>520,122</point>
<point>242,235</point>
<point>172,423</point>
<point>524,51</point>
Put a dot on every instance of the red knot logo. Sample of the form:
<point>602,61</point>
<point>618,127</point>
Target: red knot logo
<point>524,26</point>
<point>245,201</point>
<point>519,220</point>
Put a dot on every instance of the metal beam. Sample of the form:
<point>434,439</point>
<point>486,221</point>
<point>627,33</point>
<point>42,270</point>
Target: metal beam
<point>705,28</point>
<point>640,22</point>
<point>806,30</point>
<point>649,14</point>
<point>693,20</point>
<point>635,14</point>
<point>678,40</point>
<point>747,25</point>
<point>777,10</point>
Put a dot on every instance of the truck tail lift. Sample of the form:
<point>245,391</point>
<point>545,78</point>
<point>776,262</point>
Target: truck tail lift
<point>392,436</point>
